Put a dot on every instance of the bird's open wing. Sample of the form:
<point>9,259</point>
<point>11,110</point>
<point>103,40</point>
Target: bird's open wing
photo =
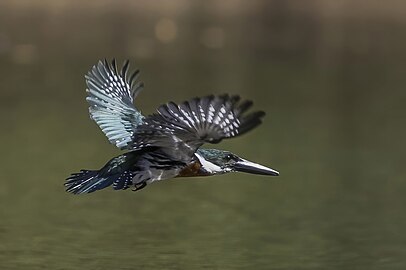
<point>110,95</point>
<point>181,129</point>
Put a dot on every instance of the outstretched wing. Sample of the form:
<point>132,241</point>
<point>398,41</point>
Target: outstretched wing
<point>110,95</point>
<point>181,129</point>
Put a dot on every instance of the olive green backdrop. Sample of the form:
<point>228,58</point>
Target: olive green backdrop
<point>330,74</point>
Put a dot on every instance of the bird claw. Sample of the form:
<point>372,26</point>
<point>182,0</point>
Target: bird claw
<point>139,186</point>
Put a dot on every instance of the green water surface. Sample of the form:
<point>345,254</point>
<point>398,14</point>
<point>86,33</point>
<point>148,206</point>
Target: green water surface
<point>335,129</point>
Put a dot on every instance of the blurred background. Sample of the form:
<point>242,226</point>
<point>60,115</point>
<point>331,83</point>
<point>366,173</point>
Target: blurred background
<point>330,75</point>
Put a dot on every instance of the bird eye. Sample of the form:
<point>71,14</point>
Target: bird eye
<point>229,157</point>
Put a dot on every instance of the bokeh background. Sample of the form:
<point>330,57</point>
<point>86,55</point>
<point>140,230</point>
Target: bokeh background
<point>330,74</point>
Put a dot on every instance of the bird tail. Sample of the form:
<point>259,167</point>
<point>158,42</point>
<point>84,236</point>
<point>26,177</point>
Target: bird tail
<point>87,181</point>
<point>118,172</point>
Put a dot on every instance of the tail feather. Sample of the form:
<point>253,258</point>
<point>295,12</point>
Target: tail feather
<point>87,181</point>
<point>124,181</point>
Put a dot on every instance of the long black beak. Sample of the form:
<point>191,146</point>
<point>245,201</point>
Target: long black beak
<point>251,167</point>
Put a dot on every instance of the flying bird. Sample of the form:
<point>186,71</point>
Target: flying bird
<point>165,144</point>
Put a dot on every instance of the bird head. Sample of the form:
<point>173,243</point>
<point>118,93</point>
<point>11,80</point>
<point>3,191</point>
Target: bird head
<point>215,161</point>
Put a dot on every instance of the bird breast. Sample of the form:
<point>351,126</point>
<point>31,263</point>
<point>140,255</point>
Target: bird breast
<point>193,169</point>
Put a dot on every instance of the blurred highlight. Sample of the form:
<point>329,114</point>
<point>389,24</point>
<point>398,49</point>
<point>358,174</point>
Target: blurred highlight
<point>166,30</point>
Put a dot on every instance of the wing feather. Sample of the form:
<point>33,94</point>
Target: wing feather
<point>181,129</point>
<point>110,94</point>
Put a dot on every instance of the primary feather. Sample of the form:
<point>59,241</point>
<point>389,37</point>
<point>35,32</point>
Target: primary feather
<point>181,129</point>
<point>111,95</point>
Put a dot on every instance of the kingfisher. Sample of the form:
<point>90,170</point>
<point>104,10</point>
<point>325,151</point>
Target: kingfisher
<point>165,144</point>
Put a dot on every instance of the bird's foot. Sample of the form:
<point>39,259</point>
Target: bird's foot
<point>139,186</point>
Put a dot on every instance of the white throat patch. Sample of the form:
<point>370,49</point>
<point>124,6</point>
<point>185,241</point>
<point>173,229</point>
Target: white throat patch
<point>207,165</point>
